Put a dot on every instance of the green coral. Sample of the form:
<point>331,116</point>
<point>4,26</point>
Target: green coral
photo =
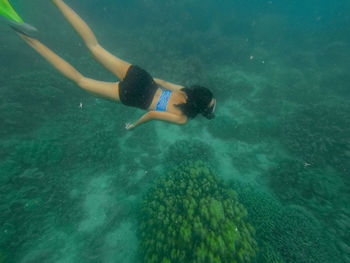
<point>191,216</point>
<point>183,151</point>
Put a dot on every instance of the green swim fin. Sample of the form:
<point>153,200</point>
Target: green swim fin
<point>7,11</point>
<point>15,21</point>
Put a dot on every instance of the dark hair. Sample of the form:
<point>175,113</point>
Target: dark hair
<point>198,100</point>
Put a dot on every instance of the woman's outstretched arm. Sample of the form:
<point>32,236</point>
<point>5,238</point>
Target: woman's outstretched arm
<point>168,85</point>
<point>158,115</point>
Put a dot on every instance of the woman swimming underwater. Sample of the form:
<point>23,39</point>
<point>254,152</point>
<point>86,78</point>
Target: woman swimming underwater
<point>161,99</point>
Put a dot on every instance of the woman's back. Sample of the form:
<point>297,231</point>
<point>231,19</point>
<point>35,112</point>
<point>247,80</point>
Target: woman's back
<point>176,97</point>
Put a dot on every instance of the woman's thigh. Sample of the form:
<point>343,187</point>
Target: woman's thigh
<point>103,89</point>
<point>114,64</point>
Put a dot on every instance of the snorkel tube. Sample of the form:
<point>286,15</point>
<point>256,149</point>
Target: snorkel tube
<point>15,21</point>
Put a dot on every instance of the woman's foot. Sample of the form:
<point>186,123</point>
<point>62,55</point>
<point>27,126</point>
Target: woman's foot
<point>24,28</point>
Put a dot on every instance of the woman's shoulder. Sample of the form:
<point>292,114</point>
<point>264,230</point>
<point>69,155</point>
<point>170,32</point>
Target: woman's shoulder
<point>176,98</point>
<point>180,96</point>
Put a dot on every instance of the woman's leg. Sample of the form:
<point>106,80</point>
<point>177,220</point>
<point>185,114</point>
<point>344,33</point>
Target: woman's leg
<point>107,90</point>
<point>117,66</point>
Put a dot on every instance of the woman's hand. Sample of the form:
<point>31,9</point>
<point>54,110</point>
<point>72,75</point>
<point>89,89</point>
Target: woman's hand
<point>129,126</point>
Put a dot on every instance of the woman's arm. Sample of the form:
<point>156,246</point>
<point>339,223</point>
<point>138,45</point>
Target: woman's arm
<point>168,85</point>
<point>159,115</point>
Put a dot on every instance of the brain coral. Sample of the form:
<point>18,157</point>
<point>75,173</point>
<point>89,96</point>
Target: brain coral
<point>191,216</point>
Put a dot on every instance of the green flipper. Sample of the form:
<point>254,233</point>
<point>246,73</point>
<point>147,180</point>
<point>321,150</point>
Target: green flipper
<point>15,21</point>
<point>7,11</point>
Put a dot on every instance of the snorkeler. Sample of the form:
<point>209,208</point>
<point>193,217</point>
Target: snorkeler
<point>161,99</point>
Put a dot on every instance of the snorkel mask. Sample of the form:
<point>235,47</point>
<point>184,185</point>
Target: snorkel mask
<point>209,112</point>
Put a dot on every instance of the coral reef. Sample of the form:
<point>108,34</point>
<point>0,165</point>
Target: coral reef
<point>225,127</point>
<point>37,152</point>
<point>30,197</point>
<point>37,101</point>
<point>321,191</point>
<point>293,234</point>
<point>32,188</point>
<point>185,151</point>
<point>269,254</point>
<point>191,216</point>
<point>297,183</point>
<point>320,134</point>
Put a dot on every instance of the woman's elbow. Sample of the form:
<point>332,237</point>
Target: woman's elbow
<point>182,121</point>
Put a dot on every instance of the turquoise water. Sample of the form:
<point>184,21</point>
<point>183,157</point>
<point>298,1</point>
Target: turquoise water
<point>72,179</point>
